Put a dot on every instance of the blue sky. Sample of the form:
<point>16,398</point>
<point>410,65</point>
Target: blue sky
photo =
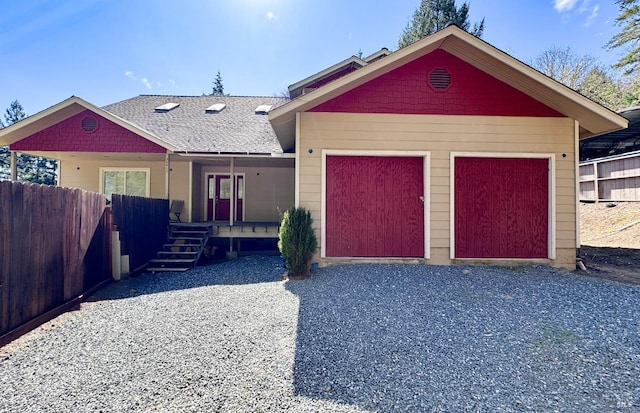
<point>109,50</point>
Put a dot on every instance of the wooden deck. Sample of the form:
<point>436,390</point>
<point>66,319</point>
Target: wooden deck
<point>246,229</point>
<point>242,229</point>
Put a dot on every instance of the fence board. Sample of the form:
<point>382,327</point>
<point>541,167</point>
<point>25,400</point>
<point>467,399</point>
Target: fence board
<point>142,223</point>
<point>54,246</point>
<point>616,178</point>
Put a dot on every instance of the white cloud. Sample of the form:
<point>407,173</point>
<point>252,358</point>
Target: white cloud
<point>564,5</point>
<point>593,15</point>
<point>270,15</point>
<point>130,75</point>
<point>174,84</point>
<point>145,81</point>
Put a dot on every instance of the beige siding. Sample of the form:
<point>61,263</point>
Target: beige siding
<point>85,174</point>
<point>441,135</point>
<point>266,190</point>
<point>179,185</point>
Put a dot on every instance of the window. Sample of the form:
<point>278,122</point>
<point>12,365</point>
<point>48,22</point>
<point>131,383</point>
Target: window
<point>134,181</point>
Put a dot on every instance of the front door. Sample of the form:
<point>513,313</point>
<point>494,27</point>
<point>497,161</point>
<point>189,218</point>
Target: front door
<point>219,199</point>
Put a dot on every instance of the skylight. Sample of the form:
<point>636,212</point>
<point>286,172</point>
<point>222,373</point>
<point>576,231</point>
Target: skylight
<point>263,109</point>
<point>216,108</point>
<point>167,107</point>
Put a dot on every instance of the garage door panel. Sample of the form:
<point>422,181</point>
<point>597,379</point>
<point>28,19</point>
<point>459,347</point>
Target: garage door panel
<point>501,208</point>
<point>376,219</point>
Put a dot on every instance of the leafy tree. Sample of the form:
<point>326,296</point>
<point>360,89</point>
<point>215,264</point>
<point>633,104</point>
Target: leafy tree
<point>434,15</point>
<point>629,36</point>
<point>631,92</point>
<point>218,88</point>
<point>599,86</point>
<point>564,65</point>
<point>32,169</point>
<point>583,74</point>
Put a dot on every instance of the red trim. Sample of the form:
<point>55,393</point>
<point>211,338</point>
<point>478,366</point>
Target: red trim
<point>406,90</point>
<point>69,136</point>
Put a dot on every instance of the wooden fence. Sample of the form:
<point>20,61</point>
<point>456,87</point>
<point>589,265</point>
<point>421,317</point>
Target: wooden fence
<point>54,247</point>
<point>615,178</point>
<point>142,223</point>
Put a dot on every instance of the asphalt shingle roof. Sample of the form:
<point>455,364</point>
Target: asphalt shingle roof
<point>236,129</point>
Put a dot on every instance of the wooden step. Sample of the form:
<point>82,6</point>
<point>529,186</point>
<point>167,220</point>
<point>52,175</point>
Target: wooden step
<point>192,239</point>
<point>178,253</point>
<point>171,261</point>
<point>182,246</point>
<point>200,234</point>
<point>167,269</point>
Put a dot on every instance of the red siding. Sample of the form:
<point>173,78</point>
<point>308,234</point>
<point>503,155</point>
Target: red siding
<point>501,208</point>
<point>373,207</point>
<point>68,136</point>
<point>405,90</point>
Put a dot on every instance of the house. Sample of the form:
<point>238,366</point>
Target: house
<point>610,163</point>
<point>174,147</point>
<point>448,150</point>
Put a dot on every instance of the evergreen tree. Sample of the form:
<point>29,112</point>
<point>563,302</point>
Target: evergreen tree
<point>629,37</point>
<point>32,169</point>
<point>218,88</point>
<point>14,113</point>
<point>434,15</point>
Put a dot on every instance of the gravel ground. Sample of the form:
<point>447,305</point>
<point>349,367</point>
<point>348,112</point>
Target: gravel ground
<point>384,338</point>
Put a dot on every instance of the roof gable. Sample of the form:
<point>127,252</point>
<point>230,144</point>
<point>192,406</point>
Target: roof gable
<point>86,131</point>
<point>62,111</point>
<point>592,118</point>
<point>410,89</point>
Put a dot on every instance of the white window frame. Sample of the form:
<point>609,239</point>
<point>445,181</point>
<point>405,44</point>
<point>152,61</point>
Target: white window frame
<point>110,169</point>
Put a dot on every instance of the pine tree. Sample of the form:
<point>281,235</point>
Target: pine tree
<point>434,15</point>
<point>32,169</point>
<point>218,88</point>
<point>629,37</point>
<point>14,113</point>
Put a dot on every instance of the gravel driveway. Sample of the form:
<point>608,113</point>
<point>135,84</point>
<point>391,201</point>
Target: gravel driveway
<point>383,338</point>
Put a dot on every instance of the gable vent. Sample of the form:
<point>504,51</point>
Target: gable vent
<point>263,109</point>
<point>439,79</point>
<point>89,124</point>
<point>215,108</point>
<point>167,107</point>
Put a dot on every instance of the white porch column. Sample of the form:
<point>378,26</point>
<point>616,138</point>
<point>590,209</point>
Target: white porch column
<point>13,168</point>
<point>232,189</point>
<point>167,179</point>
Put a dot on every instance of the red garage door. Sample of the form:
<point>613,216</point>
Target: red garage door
<point>501,208</point>
<point>374,206</point>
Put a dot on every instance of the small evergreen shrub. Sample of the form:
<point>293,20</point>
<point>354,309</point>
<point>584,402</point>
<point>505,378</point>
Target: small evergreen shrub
<point>297,242</point>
